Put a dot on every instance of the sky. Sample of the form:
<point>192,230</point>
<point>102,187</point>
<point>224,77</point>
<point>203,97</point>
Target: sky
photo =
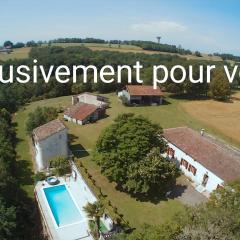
<point>204,25</point>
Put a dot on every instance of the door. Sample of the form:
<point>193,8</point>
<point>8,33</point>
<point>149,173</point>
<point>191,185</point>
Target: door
<point>205,180</point>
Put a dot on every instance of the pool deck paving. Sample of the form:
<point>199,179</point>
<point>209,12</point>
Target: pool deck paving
<point>81,195</point>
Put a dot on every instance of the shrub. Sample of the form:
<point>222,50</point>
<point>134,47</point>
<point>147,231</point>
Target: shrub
<point>39,176</point>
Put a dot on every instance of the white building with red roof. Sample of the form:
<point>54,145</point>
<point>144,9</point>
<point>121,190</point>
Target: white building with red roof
<point>141,94</point>
<point>50,140</point>
<point>86,108</point>
<point>90,98</point>
<point>206,161</point>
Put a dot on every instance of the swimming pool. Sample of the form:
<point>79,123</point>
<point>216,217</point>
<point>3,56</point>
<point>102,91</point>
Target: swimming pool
<point>62,206</point>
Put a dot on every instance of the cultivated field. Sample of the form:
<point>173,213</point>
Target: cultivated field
<point>222,117</point>
<point>23,52</point>
<point>17,53</point>
<point>84,138</point>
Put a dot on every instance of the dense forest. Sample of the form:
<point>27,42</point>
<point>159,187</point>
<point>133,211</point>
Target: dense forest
<point>15,94</point>
<point>17,211</point>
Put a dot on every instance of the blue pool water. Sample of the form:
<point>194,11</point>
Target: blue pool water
<point>62,206</point>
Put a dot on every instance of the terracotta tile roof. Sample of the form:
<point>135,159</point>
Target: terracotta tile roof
<point>80,111</point>
<point>222,160</point>
<point>48,129</point>
<point>143,90</point>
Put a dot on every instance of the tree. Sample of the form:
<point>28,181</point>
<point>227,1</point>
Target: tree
<point>61,166</point>
<point>8,44</point>
<point>220,87</point>
<point>95,211</point>
<point>7,221</point>
<point>198,54</point>
<point>125,152</point>
<point>216,219</point>
<point>31,44</point>
<point>152,174</point>
<point>19,45</point>
<point>39,117</point>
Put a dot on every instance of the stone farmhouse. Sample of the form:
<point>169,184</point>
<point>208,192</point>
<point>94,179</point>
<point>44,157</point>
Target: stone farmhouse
<point>86,108</point>
<point>50,140</point>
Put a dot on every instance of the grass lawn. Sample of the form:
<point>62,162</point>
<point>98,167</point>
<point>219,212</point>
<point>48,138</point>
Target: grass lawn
<point>84,137</point>
<point>24,158</point>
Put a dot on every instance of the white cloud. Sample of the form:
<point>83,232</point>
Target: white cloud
<point>162,26</point>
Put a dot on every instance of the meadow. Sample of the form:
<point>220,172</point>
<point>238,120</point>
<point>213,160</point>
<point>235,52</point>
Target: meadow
<point>222,117</point>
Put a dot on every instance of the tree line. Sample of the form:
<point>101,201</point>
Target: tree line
<point>17,210</point>
<point>146,45</point>
<point>227,56</point>
<point>14,95</point>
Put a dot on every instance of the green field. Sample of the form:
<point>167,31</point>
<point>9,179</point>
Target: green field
<point>84,137</point>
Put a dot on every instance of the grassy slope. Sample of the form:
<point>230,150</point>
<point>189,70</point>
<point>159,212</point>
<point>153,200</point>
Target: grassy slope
<point>84,137</point>
<point>23,52</point>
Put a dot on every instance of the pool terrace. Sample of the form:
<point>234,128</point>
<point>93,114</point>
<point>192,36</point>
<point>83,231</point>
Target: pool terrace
<point>62,205</point>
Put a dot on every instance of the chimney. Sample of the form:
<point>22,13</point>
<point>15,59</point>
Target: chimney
<point>74,100</point>
<point>202,131</point>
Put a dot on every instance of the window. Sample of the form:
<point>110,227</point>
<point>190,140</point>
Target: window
<point>219,186</point>
<point>170,152</point>
<point>192,169</point>
<point>184,163</point>
<point>205,179</point>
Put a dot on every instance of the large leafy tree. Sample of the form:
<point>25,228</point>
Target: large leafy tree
<point>8,44</point>
<point>151,173</point>
<point>125,151</point>
<point>39,117</point>
<point>220,88</point>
